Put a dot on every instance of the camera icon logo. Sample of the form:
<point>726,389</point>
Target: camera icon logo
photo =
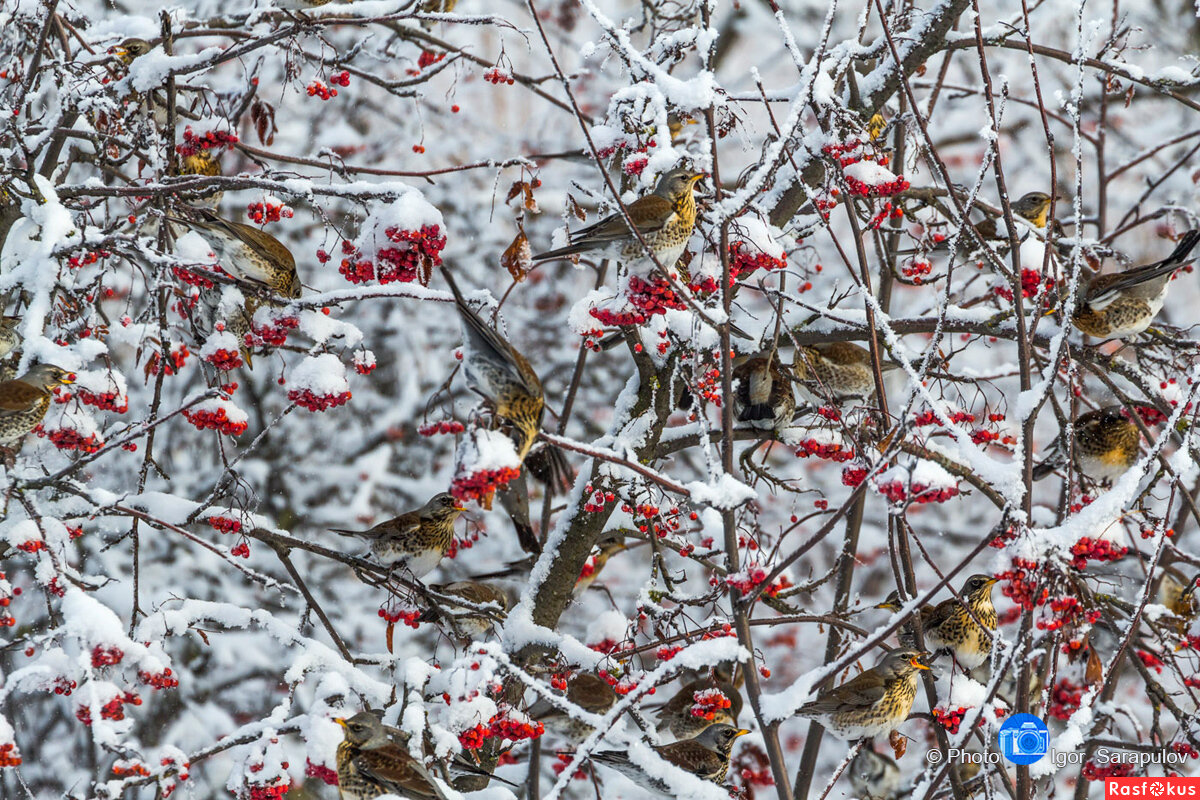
<point>1024,739</point>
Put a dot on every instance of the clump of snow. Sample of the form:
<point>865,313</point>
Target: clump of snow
<point>482,449</point>
<point>409,212</point>
<point>322,375</point>
<point>754,231</point>
<point>870,173</point>
<point>724,492</point>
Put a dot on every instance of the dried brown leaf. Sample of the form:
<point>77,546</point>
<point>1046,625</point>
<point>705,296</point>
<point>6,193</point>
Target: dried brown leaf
<point>518,257</point>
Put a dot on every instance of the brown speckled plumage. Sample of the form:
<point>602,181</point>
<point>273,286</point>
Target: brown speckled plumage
<point>764,398</point>
<point>706,756</point>
<point>370,764</point>
<point>950,627</point>
<point>873,702</point>
<point>25,400</point>
<point>416,540</point>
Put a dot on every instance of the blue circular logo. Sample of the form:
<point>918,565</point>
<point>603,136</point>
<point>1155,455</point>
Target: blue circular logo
<point>1024,739</point>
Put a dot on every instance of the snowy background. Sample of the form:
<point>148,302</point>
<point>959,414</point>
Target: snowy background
<point>178,617</point>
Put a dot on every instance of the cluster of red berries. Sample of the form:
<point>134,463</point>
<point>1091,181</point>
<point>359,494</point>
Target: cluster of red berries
<point>899,492</point>
<point>103,656</point>
<point>158,680</point>
<point>317,402</point>
<point>708,702</point>
<point>1151,415</point>
<point>886,189</point>
<point>497,76</point>
<point>409,616</point>
<point>63,686</point>
<point>708,385</point>
<point>224,360</point>
<point>241,550</point>
<point>414,259</point>
<point>1021,586</point>
<point>273,332</point>
<point>114,709</point>
<point>1091,549</point>
<point>500,727</point>
<point>172,364</point>
<point>606,316</point>
<point>887,212</point>
<point>210,140</point>
<point>726,630</point>
<point>928,417</point>
<point>950,720</point>
<point>10,756</point>
<point>321,772</point>
<point>318,88</point>
<point>744,260</point>
<point>832,451</point>
<point>1150,660</point>
<point>1066,611</point>
<point>482,484</point>
<point>69,439</point>
<point>428,58</point>
<point>105,401</point>
<point>87,257</point>
<point>830,413</point>
<point>653,296</point>
<point>668,651</point>
<point>1031,284</point>
<point>450,426</point>
<point>564,760</point>
<point>1185,749</point>
<point>598,501</point>
<point>635,166</point>
<point>32,546</point>
<point>268,212</point>
<point>213,417</point>
<point>463,542</point>
<point>274,790</point>
<point>704,285</point>
<point>191,278</point>
<point>125,767</point>
<point>225,524</point>
<point>915,271</point>
<point>622,685</point>
<point>1064,699</point>
<point>751,767</point>
<point>364,362</point>
<point>1115,769</point>
<point>852,476</point>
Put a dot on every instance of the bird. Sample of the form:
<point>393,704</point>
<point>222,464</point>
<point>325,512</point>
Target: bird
<point>664,219</point>
<point>500,374</point>
<point>1179,596</point>
<point>1033,207</point>
<point>127,50</point>
<point>1104,445</point>
<point>1123,304</point>
<point>483,605</point>
<point>706,756</point>
<point>595,564</point>
<point>905,635</point>
<point>764,397</point>
<point>9,338</point>
<point>370,763</point>
<point>840,371</point>
<point>678,716</point>
<point>873,776</point>
<point>416,540</point>
<point>25,400</point>
<point>949,626</point>
<point>584,689</point>
<point>873,702</point>
<point>206,164</point>
<point>249,254</point>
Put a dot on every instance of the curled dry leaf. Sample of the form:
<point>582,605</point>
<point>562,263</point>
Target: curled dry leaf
<point>518,256</point>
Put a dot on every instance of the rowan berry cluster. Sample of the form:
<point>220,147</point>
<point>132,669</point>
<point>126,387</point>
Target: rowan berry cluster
<point>225,524</point>
<point>70,439</point>
<point>113,710</point>
<point>653,296</point>
<point>217,415</point>
<point>745,260</point>
<point>832,451</point>
<point>116,402</point>
<point>1065,699</point>
<point>706,703</point>
<point>1089,549</point>
<point>306,398</point>
<point>483,483</point>
<point>450,426</point>
<point>1022,584</point>
<point>105,656</point>
<point>194,144</point>
<point>950,719</point>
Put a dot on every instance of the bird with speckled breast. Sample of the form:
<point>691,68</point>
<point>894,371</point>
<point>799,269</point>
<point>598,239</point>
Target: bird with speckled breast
<point>584,689</point>
<point>1123,304</point>
<point>706,756</point>
<point>874,702</point>
<point>24,401</point>
<point>370,764</point>
<point>249,254</point>
<point>1104,446</point>
<point>964,630</point>
<point>837,371</point>
<point>417,540</point>
<point>764,398</point>
<point>664,219</point>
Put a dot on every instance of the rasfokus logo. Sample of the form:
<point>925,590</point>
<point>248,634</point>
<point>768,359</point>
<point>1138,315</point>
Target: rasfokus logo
<point>1153,788</point>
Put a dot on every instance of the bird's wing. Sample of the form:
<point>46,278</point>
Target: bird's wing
<point>405,523</point>
<point>1100,296</point>
<point>691,757</point>
<point>863,689</point>
<point>394,767</point>
<point>492,345</point>
<point>18,396</point>
<point>648,214</point>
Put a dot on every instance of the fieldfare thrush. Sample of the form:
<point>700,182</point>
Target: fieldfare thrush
<point>482,606</point>
<point>706,756</point>
<point>685,717</point>
<point>874,702</point>
<point>25,400</point>
<point>838,371</point>
<point>586,690</point>
<point>1105,446</point>
<point>370,764</point>
<point>764,398</point>
<point>965,631</point>
<point>416,540</point>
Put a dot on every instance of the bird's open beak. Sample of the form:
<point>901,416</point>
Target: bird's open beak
<point>68,378</point>
<point>918,663</point>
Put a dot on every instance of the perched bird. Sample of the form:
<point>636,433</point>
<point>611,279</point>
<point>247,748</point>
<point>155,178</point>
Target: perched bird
<point>500,374</point>
<point>950,627</point>
<point>1105,446</point>
<point>1123,304</point>
<point>905,635</point>
<point>9,338</point>
<point>1033,207</point>
<point>416,540</point>
<point>206,164</point>
<point>874,776</point>
<point>370,764</point>
<point>664,219</point>
<point>705,756</point>
<point>678,714</point>
<point>873,702</point>
<point>25,400</point>
<point>764,396</point>
<point>595,564</point>
<point>840,371</point>
<point>483,605</point>
<point>130,49</point>
<point>249,254</point>
<point>586,690</point>
<point>1179,595</point>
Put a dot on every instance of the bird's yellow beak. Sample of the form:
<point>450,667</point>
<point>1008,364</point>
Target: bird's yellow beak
<point>741,732</point>
<point>887,606</point>
<point>696,176</point>
<point>120,52</point>
<point>917,663</point>
<point>993,581</point>
<point>68,378</point>
<point>458,506</point>
<point>340,721</point>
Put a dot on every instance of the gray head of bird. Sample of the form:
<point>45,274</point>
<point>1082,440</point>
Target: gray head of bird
<point>677,183</point>
<point>902,662</point>
<point>1032,206</point>
<point>892,602</point>
<point>719,737</point>
<point>130,49</point>
<point>978,586</point>
<point>363,729</point>
<point>47,376</point>
<point>442,506</point>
